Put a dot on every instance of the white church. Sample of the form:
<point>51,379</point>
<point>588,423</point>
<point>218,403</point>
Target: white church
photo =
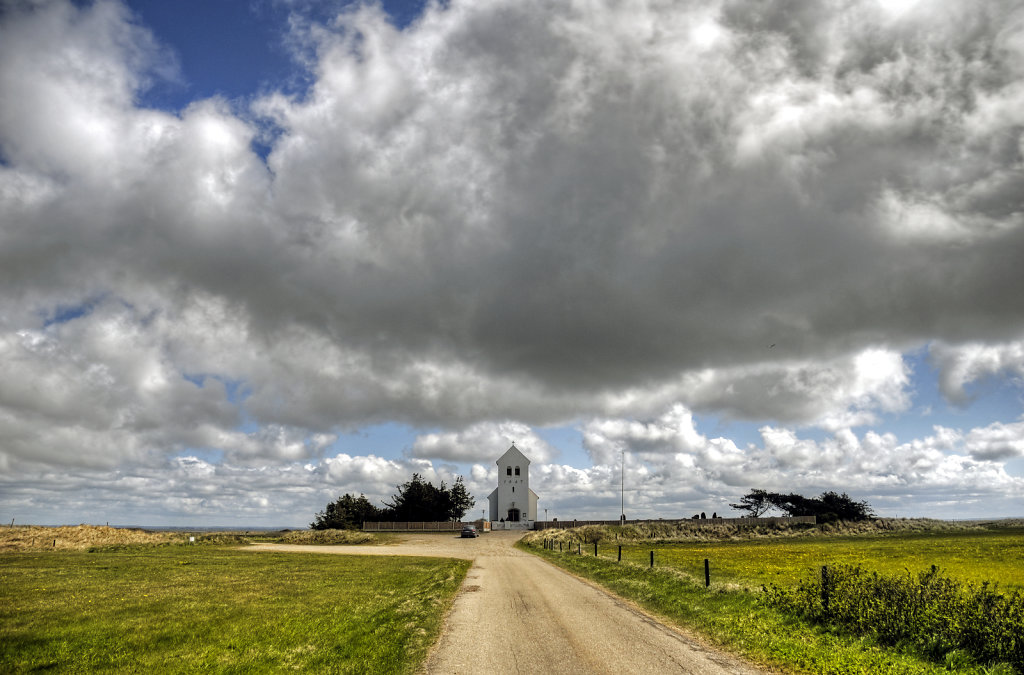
<point>513,501</point>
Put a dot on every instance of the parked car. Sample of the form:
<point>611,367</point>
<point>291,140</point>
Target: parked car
<point>469,531</point>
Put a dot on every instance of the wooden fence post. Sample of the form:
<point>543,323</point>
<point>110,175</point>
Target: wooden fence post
<point>652,558</point>
<point>707,573</point>
<point>595,549</point>
<point>620,552</point>
<point>824,589</point>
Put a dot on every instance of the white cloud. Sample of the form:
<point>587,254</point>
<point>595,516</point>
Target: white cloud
<point>479,442</point>
<point>996,442</point>
<point>668,461</point>
<point>963,364</point>
<point>672,432</point>
<point>832,393</point>
<point>69,78</point>
<point>671,470</point>
<point>537,213</point>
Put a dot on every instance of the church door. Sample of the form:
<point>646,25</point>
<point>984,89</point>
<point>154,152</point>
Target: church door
<point>513,515</point>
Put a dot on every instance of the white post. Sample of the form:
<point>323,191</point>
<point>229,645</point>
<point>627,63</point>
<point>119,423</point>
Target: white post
<point>622,492</point>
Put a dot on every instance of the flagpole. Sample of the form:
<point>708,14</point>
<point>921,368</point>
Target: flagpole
<point>622,484</point>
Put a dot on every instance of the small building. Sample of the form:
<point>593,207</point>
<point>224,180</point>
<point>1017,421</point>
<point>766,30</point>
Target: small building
<point>513,501</point>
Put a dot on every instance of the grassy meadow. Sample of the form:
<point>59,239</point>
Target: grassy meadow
<point>969,555</point>
<point>80,538</point>
<point>176,608</point>
<point>100,537</point>
<point>733,611</point>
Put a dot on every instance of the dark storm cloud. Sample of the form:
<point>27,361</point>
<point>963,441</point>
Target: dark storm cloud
<point>517,211</point>
<point>651,208</point>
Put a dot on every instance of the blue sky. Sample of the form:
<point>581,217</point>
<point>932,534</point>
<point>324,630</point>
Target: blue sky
<point>260,254</point>
<point>236,50</point>
<point>235,63</point>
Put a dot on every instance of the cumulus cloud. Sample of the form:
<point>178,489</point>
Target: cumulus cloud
<point>190,489</point>
<point>668,461</point>
<point>514,210</point>
<point>831,393</point>
<point>963,364</point>
<point>99,389</point>
<point>482,441</point>
<point>591,212</point>
<point>996,442</point>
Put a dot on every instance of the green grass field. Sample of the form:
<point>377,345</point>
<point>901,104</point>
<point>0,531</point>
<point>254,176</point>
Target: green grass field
<point>731,614</point>
<point>971,555</point>
<point>182,608</point>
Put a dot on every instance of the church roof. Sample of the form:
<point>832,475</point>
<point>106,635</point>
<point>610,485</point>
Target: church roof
<point>512,456</point>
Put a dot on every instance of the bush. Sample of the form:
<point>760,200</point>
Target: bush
<point>942,618</point>
<point>327,537</point>
<point>347,512</point>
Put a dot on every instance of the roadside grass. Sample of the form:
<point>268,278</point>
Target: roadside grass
<point>732,614</point>
<point>212,608</point>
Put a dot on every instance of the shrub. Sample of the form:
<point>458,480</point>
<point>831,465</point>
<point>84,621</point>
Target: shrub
<point>327,537</point>
<point>942,618</point>
<point>80,538</point>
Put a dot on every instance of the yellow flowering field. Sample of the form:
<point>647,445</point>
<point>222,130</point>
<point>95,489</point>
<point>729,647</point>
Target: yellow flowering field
<point>972,555</point>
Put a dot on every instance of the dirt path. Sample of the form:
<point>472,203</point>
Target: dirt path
<point>516,613</point>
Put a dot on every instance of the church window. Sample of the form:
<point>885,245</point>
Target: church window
<point>508,471</point>
<point>517,470</point>
<point>513,488</point>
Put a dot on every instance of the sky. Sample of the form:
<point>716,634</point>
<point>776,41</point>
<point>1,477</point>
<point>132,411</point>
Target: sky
<point>257,255</point>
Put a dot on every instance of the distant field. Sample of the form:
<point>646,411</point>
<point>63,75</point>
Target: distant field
<point>210,608</point>
<point>971,555</point>
<point>92,537</point>
<point>80,537</point>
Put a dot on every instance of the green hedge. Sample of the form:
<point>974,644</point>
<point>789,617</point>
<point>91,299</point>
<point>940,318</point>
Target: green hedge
<point>928,612</point>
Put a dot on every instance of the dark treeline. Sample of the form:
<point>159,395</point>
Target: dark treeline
<point>827,508</point>
<point>416,500</point>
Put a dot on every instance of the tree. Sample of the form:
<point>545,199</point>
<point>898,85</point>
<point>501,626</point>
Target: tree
<point>419,500</point>
<point>797,505</point>
<point>826,508</point>
<point>461,500</point>
<point>755,502</point>
<point>416,500</point>
<point>346,513</point>
<point>845,508</point>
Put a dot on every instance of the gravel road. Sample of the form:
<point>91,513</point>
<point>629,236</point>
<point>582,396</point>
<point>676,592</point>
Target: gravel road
<point>516,613</point>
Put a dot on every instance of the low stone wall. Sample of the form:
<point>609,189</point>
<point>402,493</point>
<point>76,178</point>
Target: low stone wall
<point>451,526</point>
<point>446,526</point>
<point>509,525</point>
<point>698,522</point>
